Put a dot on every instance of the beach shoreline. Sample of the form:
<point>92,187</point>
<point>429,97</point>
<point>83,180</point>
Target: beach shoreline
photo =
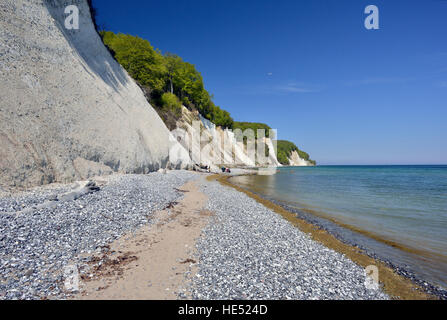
<point>329,224</point>
<point>128,204</point>
<point>399,285</point>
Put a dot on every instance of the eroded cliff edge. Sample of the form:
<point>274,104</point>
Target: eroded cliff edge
<point>68,110</point>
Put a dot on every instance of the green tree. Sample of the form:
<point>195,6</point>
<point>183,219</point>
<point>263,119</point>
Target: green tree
<point>173,64</point>
<point>164,74</point>
<point>139,58</point>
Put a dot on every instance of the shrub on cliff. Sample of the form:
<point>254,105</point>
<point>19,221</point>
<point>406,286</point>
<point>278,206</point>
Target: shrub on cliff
<point>171,102</point>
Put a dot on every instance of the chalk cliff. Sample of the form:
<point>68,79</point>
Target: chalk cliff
<point>296,161</point>
<point>217,146</point>
<point>68,110</point>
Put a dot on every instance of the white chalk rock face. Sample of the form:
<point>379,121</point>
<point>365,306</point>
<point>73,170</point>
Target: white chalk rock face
<point>66,104</point>
<point>296,161</point>
<point>272,160</point>
<point>213,146</point>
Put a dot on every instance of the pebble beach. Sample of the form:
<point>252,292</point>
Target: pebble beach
<point>246,251</point>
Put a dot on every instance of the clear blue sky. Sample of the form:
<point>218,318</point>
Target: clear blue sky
<point>310,69</point>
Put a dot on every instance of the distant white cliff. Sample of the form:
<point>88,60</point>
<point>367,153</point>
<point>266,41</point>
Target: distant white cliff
<point>236,153</point>
<point>296,161</point>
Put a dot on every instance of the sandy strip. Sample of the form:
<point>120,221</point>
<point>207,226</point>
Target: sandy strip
<point>151,264</point>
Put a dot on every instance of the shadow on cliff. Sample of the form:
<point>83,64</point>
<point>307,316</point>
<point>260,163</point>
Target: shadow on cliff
<point>87,43</point>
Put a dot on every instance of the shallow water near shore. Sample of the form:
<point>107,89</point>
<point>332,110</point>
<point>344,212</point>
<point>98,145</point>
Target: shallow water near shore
<point>397,212</point>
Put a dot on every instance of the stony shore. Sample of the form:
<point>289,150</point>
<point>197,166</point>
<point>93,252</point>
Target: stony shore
<point>250,252</point>
<point>246,251</point>
<point>35,247</point>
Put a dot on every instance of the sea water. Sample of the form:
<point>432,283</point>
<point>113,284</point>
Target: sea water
<point>402,210</point>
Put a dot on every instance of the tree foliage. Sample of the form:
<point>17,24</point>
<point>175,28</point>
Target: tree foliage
<point>171,102</point>
<point>164,74</point>
<point>142,62</point>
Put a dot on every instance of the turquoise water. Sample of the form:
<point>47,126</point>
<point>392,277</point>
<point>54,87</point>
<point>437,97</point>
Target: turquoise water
<point>403,207</point>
